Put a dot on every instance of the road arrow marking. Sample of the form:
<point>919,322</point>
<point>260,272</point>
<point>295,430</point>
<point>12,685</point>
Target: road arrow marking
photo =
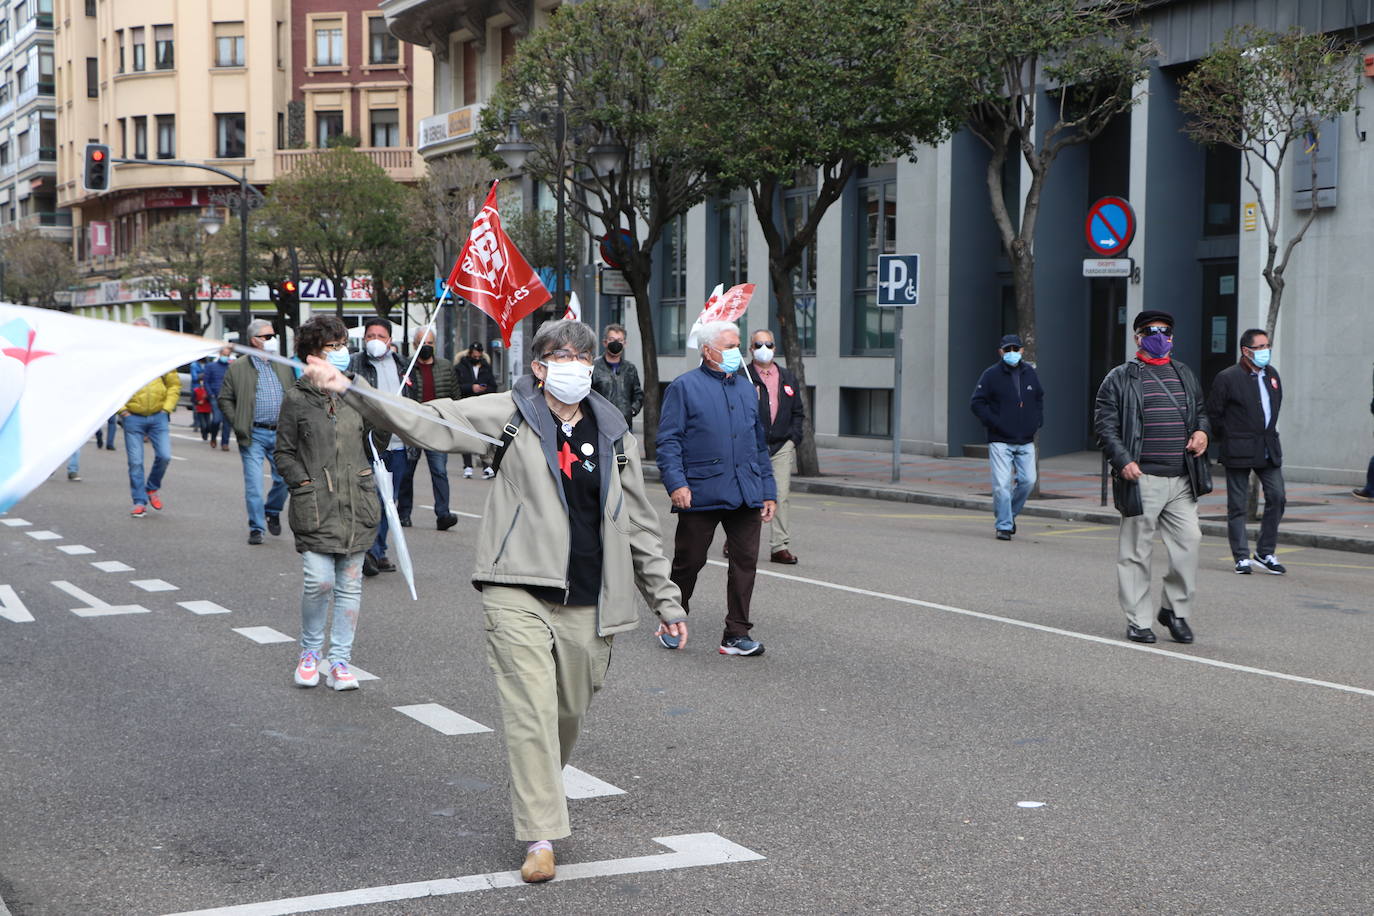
<point>94,606</point>
<point>577,784</point>
<point>11,608</point>
<point>690,850</point>
<point>442,719</point>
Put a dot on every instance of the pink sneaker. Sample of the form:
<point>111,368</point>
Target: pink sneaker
<point>340,677</point>
<point>308,669</point>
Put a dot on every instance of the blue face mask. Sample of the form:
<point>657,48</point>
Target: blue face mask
<point>1260,357</point>
<point>730,360</point>
<point>1012,358</point>
<point>337,358</point>
<point>224,359</point>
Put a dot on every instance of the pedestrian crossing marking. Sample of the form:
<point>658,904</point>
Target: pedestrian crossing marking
<point>362,675</point>
<point>111,566</point>
<point>44,535</point>
<point>203,607</point>
<point>15,522</point>
<point>577,784</point>
<point>154,585</point>
<point>75,549</point>
<point>441,719</point>
<point>94,606</point>
<point>263,635</point>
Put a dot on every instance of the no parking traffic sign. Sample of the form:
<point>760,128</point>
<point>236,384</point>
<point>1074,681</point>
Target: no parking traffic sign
<point>1110,226</point>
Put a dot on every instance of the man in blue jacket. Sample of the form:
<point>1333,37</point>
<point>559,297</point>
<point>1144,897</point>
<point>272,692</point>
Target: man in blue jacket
<point>713,458</point>
<point>1010,403</point>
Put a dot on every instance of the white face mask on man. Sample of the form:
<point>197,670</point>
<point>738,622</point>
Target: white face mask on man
<point>377,348</point>
<point>569,382</point>
<point>764,354</point>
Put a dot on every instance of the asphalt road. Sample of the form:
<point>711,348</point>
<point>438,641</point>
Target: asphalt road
<point>921,680</point>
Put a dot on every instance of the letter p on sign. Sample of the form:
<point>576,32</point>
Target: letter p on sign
<point>899,279</point>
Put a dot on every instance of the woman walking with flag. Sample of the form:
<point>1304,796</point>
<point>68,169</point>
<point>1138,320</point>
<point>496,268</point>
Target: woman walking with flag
<point>568,535</point>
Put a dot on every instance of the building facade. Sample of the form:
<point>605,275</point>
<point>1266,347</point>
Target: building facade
<point>28,121</point>
<point>1199,254</point>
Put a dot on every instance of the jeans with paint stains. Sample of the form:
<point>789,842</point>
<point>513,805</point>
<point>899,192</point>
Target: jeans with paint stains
<point>331,579</point>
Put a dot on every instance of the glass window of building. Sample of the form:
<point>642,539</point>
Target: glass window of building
<point>383,48</point>
<point>92,78</point>
<point>44,14</point>
<point>229,136</point>
<point>163,51</point>
<point>47,137</point>
<point>5,153</point>
<point>877,235</point>
<point>4,29</point>
<point>386,127</point>
<point>329,43</point>
<point>21,14</point>
<point>119,43</point>
<point>140,137</point>
<point>328,125</point>
<point>166,137</point>
<point>796,210</point>
<point>25,143</point>
<point>672,311</point>
<point>123,138</point>
<point>21,79</point>
<point>5,91</point>
<point>90,7</point>
<point>228,44</point>
<point>139,49</point>
<point>46,82</point>
<point>866,412</point>
<point>1221,191</point>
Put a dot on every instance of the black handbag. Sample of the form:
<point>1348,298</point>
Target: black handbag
<point>1126,496</point>
<point>1198,468</point>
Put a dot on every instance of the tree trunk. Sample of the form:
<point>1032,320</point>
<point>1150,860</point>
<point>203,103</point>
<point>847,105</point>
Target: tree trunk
<point>808,462</point>
<point>637,275</point>
<point>338,297</point>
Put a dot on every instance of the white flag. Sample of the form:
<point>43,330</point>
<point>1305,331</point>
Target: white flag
<point>61,377</point>
<point>574,308</point>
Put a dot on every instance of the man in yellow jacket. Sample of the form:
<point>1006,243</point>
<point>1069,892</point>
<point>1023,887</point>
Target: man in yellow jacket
<point>147,415</point>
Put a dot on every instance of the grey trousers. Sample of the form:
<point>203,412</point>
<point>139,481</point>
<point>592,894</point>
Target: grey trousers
<point>1170,509</point>
<point>1237,499</point>
<point>548,663</point>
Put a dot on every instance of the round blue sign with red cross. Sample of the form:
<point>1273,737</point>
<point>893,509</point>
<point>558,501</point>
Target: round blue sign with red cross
<point>1110,226</point>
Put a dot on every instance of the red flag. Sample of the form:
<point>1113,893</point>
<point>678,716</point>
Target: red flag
<point>491,274</point>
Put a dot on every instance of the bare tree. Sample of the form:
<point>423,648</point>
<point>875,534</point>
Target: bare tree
<point>178,261</point>
<point>35,269</point>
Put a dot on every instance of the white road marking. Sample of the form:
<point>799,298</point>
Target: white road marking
<point>362,675</point>
<point>442,719</point>
<point>188,438</point>
<point>112,566</point>
<point>577,784</point>
<point>94,606</point>
<point>203,607</point>
<point>44,535</point>
<point>11,608</point>
<point>177,458</point>
<point>263,635</point>
<point>455,512</point>
<point>74,549</point>
<point>689,850</point>
<point>14,522</point>
<point>154,585</point>
<point>1056,631</point>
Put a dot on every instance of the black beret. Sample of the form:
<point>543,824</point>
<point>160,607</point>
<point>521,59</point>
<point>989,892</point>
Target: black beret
<point>1152,316</point>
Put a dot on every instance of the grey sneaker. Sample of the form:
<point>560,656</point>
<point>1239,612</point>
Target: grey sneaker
<point>740,645</point>
<point>1243,567</point>
<point>1271,564</point>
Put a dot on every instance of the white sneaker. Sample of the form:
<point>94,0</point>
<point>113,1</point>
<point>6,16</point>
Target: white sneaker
<point>467,472</point>
<point>340,677</point>
<point>308,669</point>
<point>488,473</point>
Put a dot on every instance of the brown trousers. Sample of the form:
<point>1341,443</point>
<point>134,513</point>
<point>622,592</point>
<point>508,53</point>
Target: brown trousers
<point>695,531</point>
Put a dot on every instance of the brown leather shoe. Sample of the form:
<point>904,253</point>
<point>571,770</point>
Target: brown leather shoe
<point>784,556</point>
<point>538,866</point>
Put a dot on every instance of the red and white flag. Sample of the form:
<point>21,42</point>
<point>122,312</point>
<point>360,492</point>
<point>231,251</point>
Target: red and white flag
<point>491,273</point>
<point>574,311</point>
<point>727,306</point>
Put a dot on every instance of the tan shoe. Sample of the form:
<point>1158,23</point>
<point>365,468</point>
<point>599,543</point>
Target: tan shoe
<point>538,866</point>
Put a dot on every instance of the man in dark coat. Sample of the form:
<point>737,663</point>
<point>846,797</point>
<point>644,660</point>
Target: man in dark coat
<point>473,376</point>
<point>614,377</point>
<point>783,415</point>
<point>1010,404</point>
<point>433,375</point>
<point>1244,409</point>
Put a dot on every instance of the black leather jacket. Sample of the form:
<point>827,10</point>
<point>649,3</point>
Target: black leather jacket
<point>1119,417</point>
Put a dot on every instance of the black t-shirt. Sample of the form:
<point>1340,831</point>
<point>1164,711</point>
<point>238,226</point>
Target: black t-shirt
<point>580,470</point>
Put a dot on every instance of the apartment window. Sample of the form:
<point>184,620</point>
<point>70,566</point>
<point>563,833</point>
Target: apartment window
<point>119,43</point>
<point>44,13</point>
<point>5,153</point>
<point>47,139</point>
<point>876,228</point>
<point>92,78</point>
<point>140,137</point>
<point>281,130</point>
<point>4,29</point>
<point>672,333</point>
<point>382,46</point>
<point>329,43</point>
<point>140,57</point>
<point>25,143</point>
<point>123,139</point>
<point>45,70</point>
<point>229,136</point>
<point>90,7</point>
<point>21,14</point>
<point>866,412</point>
<point>328,125</point>
<point>386,127</point>
<point>164,57</point>
<point>796,210</point>
<point>21,79</point>
<point>5,86</point>
<point>469,73</point>
<point>166,137</point>
<point>228,44</point>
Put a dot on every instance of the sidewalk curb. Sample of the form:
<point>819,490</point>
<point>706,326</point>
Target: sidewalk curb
<point>1110,517</point>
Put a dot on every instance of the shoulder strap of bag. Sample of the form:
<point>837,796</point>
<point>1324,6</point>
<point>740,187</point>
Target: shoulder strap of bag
<point>1172,400</point>
<point>513,426</point>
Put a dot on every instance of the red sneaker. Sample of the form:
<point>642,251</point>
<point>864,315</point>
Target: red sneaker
<point>139,511</point>
<point>154,501</point>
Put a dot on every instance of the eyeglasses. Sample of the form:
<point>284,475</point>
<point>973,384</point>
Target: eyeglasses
<point>1158,329</point>
<point>760,344</point>
<point>264,336</point>
<point>336,345</point>
<point>1011,348</point>
<point>567,356</point>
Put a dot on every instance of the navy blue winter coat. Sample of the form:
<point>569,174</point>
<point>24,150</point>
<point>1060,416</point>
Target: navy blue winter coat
<point>1011,414</point>
<point>712,441</point>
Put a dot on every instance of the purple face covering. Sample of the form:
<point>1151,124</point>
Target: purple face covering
<point>1157,345</point>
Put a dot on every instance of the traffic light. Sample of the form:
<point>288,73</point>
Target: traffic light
<point>96,175</point>
<point>289,302</point>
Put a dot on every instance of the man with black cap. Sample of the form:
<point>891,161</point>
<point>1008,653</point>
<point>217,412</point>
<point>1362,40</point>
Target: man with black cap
<point>1150,422</point>
<point>473,373</point>
<point>1010,403</point>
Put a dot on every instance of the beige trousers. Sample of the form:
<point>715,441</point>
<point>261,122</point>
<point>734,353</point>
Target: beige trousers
<point>1169,508</point>
<point>548,663</point>
<point>779,538</point>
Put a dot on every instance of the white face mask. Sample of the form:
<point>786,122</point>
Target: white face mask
<point>763,354</point>
<point>568,382</point>
<point>270,345</point>
<point>377,348</point>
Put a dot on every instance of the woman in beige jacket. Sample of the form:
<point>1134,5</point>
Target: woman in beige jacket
<point>567,536</point>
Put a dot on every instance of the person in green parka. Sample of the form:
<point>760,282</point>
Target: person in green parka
<point>333,509</point>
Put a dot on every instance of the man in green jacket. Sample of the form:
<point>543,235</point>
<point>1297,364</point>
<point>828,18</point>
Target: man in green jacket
<point>147,416</point>
<point>250,400</point>
<point>434,376</point>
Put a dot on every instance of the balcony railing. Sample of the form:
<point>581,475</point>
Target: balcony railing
<point>61,219</point>
<point>42,154</point>
<point>397,161</point>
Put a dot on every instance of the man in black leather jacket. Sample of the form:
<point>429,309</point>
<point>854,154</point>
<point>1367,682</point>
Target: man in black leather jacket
<point>1150,421</point>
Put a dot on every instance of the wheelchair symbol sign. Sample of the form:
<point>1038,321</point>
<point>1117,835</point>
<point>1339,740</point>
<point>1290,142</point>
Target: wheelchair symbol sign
<point>899,279</point>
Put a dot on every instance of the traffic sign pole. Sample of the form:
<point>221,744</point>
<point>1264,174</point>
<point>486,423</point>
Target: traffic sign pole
<point>897,396</point>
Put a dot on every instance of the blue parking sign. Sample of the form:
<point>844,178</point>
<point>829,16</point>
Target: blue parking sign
<point>899,279</point>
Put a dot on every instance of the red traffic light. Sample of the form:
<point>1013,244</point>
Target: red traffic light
<point>97,155</point>
<point>289,286</point>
